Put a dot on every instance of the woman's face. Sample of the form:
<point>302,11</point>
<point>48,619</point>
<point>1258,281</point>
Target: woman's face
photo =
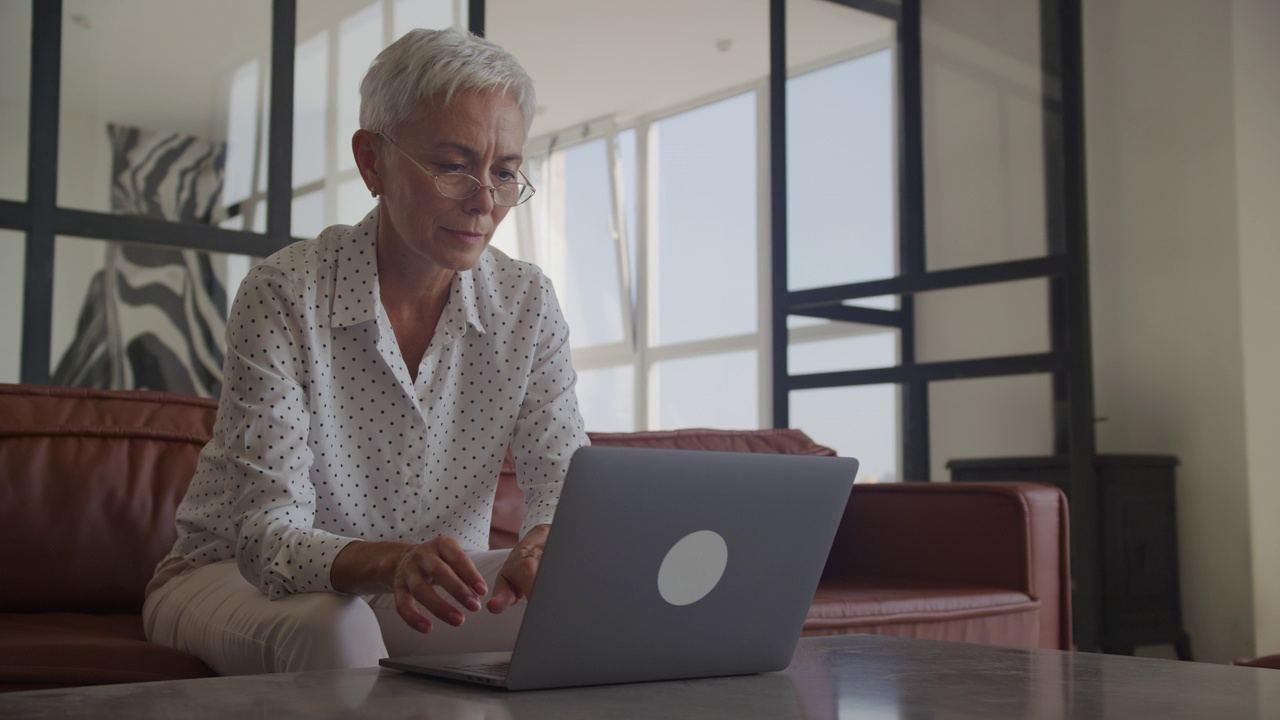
<point>480,134</point>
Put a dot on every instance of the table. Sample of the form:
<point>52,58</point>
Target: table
<point>849,676</point>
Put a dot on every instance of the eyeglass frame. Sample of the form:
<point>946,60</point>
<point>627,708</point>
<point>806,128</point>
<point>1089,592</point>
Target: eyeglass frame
<point>435,178</point>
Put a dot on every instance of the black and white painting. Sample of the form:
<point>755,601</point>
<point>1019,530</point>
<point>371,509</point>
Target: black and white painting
<point>153,317</point>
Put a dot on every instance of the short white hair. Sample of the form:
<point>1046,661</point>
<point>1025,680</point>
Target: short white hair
<point>432,66</point>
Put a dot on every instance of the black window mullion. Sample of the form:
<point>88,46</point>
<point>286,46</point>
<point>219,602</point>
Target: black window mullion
<point>186,236</point>
<point>284,35</point>
<point>911,238</point>
<point>781,391</point>
<point>15,215</point>
<point>42,190</point>
<point>1063,18</point>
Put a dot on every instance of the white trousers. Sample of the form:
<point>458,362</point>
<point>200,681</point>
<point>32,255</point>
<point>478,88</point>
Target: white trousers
<point>213,613</point>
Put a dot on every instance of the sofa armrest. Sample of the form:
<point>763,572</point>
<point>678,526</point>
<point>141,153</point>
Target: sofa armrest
<point>1009,535</point>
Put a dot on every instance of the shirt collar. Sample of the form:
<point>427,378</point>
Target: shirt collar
<point>356,285</point>
<point>355,297</point>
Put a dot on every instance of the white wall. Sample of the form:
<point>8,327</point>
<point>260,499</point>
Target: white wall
<point>1256,28</point>
<point>1165,206</point>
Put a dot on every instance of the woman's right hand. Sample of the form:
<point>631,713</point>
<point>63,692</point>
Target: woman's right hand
<point>433,566</point>
<point>419,576</point>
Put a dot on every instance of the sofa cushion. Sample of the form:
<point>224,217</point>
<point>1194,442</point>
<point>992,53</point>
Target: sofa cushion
<point>89,482</point>
<point>851,603</point>
<point>49,650</point>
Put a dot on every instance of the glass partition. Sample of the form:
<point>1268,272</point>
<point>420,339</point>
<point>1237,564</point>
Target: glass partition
<point>143,103</point>
<point>859,422</point>
<point>15,97</point>
<point>141,317</point>
<point>1010,318</point>
<point>984,140</point>
<point>989,417</point>
<point>842,220</point>
<point>841,141</point>
<point>12,280</point>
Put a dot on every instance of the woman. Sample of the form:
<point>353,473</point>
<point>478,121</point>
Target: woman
<point>375,378</point>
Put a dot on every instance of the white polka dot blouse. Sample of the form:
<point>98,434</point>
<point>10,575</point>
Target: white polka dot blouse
<point>322,437</point>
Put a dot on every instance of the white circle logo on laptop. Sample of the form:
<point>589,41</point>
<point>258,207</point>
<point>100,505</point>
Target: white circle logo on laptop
<point>692,567</point>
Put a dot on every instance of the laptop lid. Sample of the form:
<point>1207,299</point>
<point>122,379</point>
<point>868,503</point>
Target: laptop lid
<point>667,564</point>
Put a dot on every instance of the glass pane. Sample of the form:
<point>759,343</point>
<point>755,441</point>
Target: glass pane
<point>128,316</point>
<point>505,239</point>
<point>180,60</point>
<point>841,178</point>
<point>310,108</point>
<point>876,349</point>
<point>259,210</point>
<point>984,130</point>
<point>590,291</point>
<point>989,417</point>
<point>360,39</point>
<point>264,131</point>
<point>1009,318</point>
<point>308,214</point>
<point>704,252</point>
<point>435,14</point>
<point>630,199</point>
<point>236,267</point>
<point>13,254</point>
<point>607,398</point>
<point>15,100</point>
<point>354,201</point>
<point>77,268</point>
<point>243,110</point>
<point>713,391</point>
<point>859,422</point>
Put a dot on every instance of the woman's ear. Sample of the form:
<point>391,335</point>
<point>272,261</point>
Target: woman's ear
<point>364,146</point>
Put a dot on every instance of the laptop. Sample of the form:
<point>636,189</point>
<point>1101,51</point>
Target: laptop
<point>669,564</point>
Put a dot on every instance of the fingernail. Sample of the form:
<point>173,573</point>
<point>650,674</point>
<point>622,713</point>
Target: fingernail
<point>481,588</point>
<point>424,627</point>
<point>473,604</point>
<point>455,619</point>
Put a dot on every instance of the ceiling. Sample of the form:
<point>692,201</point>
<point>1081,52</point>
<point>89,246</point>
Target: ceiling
<point>157,63</point>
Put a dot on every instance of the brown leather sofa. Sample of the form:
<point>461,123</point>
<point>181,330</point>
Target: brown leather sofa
<point>89,481</point>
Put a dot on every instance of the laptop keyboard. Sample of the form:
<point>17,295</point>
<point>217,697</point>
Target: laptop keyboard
<point>499,667</point>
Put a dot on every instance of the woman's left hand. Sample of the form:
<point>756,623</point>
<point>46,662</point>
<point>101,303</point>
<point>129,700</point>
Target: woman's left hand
<point>515,579</point>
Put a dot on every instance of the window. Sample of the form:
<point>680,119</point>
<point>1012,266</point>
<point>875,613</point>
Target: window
<point>337,41</point>
<point>653,234</point>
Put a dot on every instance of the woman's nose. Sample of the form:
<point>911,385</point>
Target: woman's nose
<point>481,201</point>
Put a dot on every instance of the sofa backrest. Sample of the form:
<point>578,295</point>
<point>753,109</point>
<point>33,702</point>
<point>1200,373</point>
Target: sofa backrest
<point>508,506</point>
<point>89,482</point>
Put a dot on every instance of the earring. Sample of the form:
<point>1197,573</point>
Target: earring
<point>373,192</point>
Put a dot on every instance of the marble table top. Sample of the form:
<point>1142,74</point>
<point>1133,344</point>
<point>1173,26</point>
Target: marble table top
<point>850,676</point>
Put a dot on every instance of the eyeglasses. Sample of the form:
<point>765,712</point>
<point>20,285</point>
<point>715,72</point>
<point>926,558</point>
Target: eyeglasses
<point>460,186</point>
